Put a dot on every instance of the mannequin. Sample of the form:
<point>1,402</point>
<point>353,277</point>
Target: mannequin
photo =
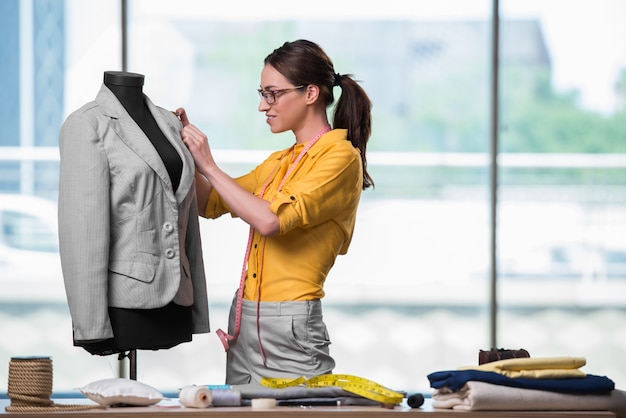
<point>154,297</point>
<point>140,328</point>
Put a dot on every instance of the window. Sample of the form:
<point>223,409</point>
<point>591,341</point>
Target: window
<point>413,292</point>
<point>561,196</point>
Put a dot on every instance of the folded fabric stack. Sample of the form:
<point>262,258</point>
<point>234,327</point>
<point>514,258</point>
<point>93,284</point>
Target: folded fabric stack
<point>526,384</point>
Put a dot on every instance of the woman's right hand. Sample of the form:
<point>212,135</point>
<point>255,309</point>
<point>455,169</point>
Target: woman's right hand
<point>196,141</point>
<point>252,209</point>
<point>198,145</point>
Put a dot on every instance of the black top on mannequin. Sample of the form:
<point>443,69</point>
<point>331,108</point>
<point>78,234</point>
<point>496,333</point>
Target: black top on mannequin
<point>128,88</point>
<point>147,329</point>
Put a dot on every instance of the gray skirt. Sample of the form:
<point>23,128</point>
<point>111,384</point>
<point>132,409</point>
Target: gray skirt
<point>292,336</point>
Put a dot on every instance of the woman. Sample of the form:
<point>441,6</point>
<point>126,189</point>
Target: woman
<point>301,206</point>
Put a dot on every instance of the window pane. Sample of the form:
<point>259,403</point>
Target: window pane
<point>420,249</point>
<point>412,291</point>
<point>562,213</point>
<point>53,55</point>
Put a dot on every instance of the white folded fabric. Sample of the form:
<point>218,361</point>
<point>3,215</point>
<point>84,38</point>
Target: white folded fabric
<point>481,396</point>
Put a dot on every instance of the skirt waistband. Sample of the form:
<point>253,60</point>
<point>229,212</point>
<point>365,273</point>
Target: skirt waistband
<point>306,307</point>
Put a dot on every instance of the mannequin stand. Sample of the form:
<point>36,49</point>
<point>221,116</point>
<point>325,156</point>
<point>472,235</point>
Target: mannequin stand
<point>132,364</point>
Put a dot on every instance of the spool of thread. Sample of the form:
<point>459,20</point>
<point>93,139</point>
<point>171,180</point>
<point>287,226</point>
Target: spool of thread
<point>260,404</point>
<point>195,397</point>
<point>226,397</point>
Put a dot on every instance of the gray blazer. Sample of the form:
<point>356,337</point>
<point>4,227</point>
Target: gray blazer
<point>126,239</point>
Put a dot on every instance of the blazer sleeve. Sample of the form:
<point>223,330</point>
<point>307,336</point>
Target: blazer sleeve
<point>84,226</point>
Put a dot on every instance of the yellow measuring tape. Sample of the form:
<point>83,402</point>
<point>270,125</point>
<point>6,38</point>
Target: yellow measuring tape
<point>354,384</point>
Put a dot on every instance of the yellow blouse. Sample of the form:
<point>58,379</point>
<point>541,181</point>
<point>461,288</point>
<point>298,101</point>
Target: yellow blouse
<point>317,208</point>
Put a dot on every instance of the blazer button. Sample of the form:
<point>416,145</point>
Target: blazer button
<point>169,253</point>
<point>168,227</point>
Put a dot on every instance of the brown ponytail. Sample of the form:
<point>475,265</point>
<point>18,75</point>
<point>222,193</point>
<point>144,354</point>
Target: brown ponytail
<point>353,112</point>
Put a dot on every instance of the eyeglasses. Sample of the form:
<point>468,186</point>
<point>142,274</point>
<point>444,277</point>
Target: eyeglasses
<point>270,95</point>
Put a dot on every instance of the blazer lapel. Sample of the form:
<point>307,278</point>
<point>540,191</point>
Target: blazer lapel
<point>134,137</point>
<point>171,127</point>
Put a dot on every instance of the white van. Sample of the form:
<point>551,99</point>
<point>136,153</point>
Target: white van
<point>30,266</point>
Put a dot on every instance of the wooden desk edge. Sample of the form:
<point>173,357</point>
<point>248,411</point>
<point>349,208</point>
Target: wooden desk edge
<point>310,412</point>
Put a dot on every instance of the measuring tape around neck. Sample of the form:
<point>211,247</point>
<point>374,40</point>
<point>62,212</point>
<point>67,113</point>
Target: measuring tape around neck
<point>354,384</point>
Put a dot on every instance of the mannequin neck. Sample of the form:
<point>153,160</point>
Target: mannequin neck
<point>128,88</point>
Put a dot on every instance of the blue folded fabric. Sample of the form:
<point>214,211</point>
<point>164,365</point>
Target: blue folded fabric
<point>455,379</point>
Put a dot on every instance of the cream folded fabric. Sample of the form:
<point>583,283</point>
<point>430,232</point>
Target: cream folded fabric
<point>481,396</point>
<point>538,367</point>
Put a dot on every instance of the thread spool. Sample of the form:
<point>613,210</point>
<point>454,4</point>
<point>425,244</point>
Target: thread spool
<point>226,397</point>
<point>195,397</point>
<point>260,404</point>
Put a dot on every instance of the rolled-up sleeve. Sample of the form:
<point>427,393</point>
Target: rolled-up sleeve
<point>332,184</point>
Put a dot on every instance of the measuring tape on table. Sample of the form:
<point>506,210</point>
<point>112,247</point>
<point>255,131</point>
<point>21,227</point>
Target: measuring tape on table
<point>354,384</point>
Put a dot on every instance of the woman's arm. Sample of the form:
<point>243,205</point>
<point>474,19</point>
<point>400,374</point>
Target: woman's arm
<point>203,191</point>
<point>252,209</point>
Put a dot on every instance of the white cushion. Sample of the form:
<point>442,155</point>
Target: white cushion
<point>118,391</point>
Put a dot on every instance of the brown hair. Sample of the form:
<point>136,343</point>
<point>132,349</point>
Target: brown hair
<point>304,62</point>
